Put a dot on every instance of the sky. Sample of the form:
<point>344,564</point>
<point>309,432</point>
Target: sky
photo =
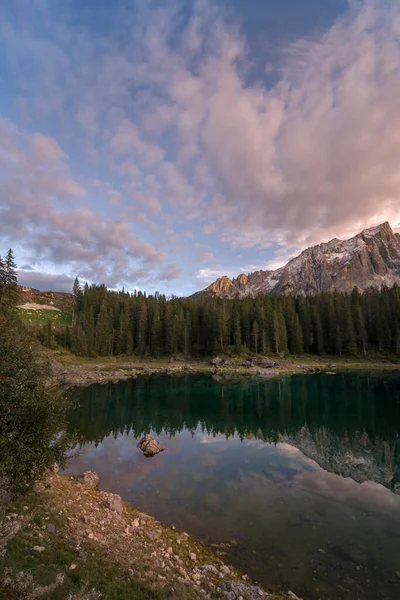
<point>159,145</point>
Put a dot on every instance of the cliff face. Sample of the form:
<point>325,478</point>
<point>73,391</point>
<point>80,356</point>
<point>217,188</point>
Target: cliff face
<point>371,258</point>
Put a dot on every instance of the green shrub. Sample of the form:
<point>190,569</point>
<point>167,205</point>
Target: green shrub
<point>32,414</point>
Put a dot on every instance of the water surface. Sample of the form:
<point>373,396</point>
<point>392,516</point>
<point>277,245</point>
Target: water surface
<point>297,480</point>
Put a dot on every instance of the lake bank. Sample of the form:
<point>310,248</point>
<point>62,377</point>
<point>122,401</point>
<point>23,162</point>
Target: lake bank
<point>72,370</point>
<point>68,539</point>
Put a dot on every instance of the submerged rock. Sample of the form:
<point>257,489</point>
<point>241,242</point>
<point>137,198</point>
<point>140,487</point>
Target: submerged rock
<point>149,446</point>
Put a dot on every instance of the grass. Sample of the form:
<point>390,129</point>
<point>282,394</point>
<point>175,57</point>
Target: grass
<point>25,572</point>
<point>288,364</point>
<point>58,317</point>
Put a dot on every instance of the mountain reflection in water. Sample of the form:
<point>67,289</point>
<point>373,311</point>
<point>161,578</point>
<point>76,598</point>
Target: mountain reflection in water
<point>295,479</point>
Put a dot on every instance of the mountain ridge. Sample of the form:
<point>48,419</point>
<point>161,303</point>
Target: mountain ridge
<point>369,259</point>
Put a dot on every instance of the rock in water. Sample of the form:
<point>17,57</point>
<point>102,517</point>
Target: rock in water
<point>149,446</point>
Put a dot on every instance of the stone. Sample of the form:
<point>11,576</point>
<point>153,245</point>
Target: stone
<point>90,478</point>
<point>293,596</point>
<point>169,550</point>
<point>217,360</point>
<point>250,592</point>
<point>264,363</point>
<point>192,556</point>
<point>114,502</point>
<point>135,523</point>
<point>149,446</point>
<point>266,373</point>
<point>225,570</point>
<point>72,567</point>
<point>209,569</point>
<point>39,548</point>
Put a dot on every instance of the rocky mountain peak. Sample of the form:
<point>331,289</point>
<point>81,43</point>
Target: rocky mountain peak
<point>370,258</point>
<point>221,286</point>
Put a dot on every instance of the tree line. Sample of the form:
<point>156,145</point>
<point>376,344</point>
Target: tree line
<point>119,323</point>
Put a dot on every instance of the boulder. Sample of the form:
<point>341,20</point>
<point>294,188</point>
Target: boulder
<point>266,373</point>
<point>90,478</point>
<point>250,592</point>
<point>149,446</point>
<point>217,361</point>
<point>264,363</point>
<point>114,502</point>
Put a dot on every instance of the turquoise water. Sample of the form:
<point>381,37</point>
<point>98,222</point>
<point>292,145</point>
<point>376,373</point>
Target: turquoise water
<point>297,480</point>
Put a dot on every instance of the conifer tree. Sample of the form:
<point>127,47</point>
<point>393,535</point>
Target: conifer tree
<point>8,282</point>
<point>141,331</point>
<point>237,333</point>
<point>255,336</point>
<point>103,333</point>
<point>156,333</point>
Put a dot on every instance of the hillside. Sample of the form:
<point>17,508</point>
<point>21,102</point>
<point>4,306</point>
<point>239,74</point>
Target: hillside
<point>58,300</point>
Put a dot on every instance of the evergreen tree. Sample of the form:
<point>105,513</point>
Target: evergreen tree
<point>8,282</point>
<point>103,333</point>
<point>77,292</point>
<point>237,333</point>
<point>255,337</point>
<point>141,332</point>
<point>156,333</point>
<point>318,337</point>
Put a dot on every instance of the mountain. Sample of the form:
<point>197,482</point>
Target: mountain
<point>371,258</point>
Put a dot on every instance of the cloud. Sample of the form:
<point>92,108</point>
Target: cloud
<point>207,276</point>
<point>44,148</point>
<point>208,228</point>
<point>45,281</point>
<point>169,105</point>
<point>171,272</point>
<point>36,211</point>
<point>315,155</point>
<point>206,257</point>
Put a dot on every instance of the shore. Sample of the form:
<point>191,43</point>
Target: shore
<point>69,540</point>
<point>71,370</point>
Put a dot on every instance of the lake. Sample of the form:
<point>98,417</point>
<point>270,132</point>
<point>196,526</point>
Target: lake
<point>296,479</point>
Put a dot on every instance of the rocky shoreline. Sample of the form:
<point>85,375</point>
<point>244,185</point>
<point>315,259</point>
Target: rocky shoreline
<point>70,375</point>
<point>99,526</point>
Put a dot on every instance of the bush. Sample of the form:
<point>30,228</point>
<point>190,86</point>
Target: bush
<point>32,414</point>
